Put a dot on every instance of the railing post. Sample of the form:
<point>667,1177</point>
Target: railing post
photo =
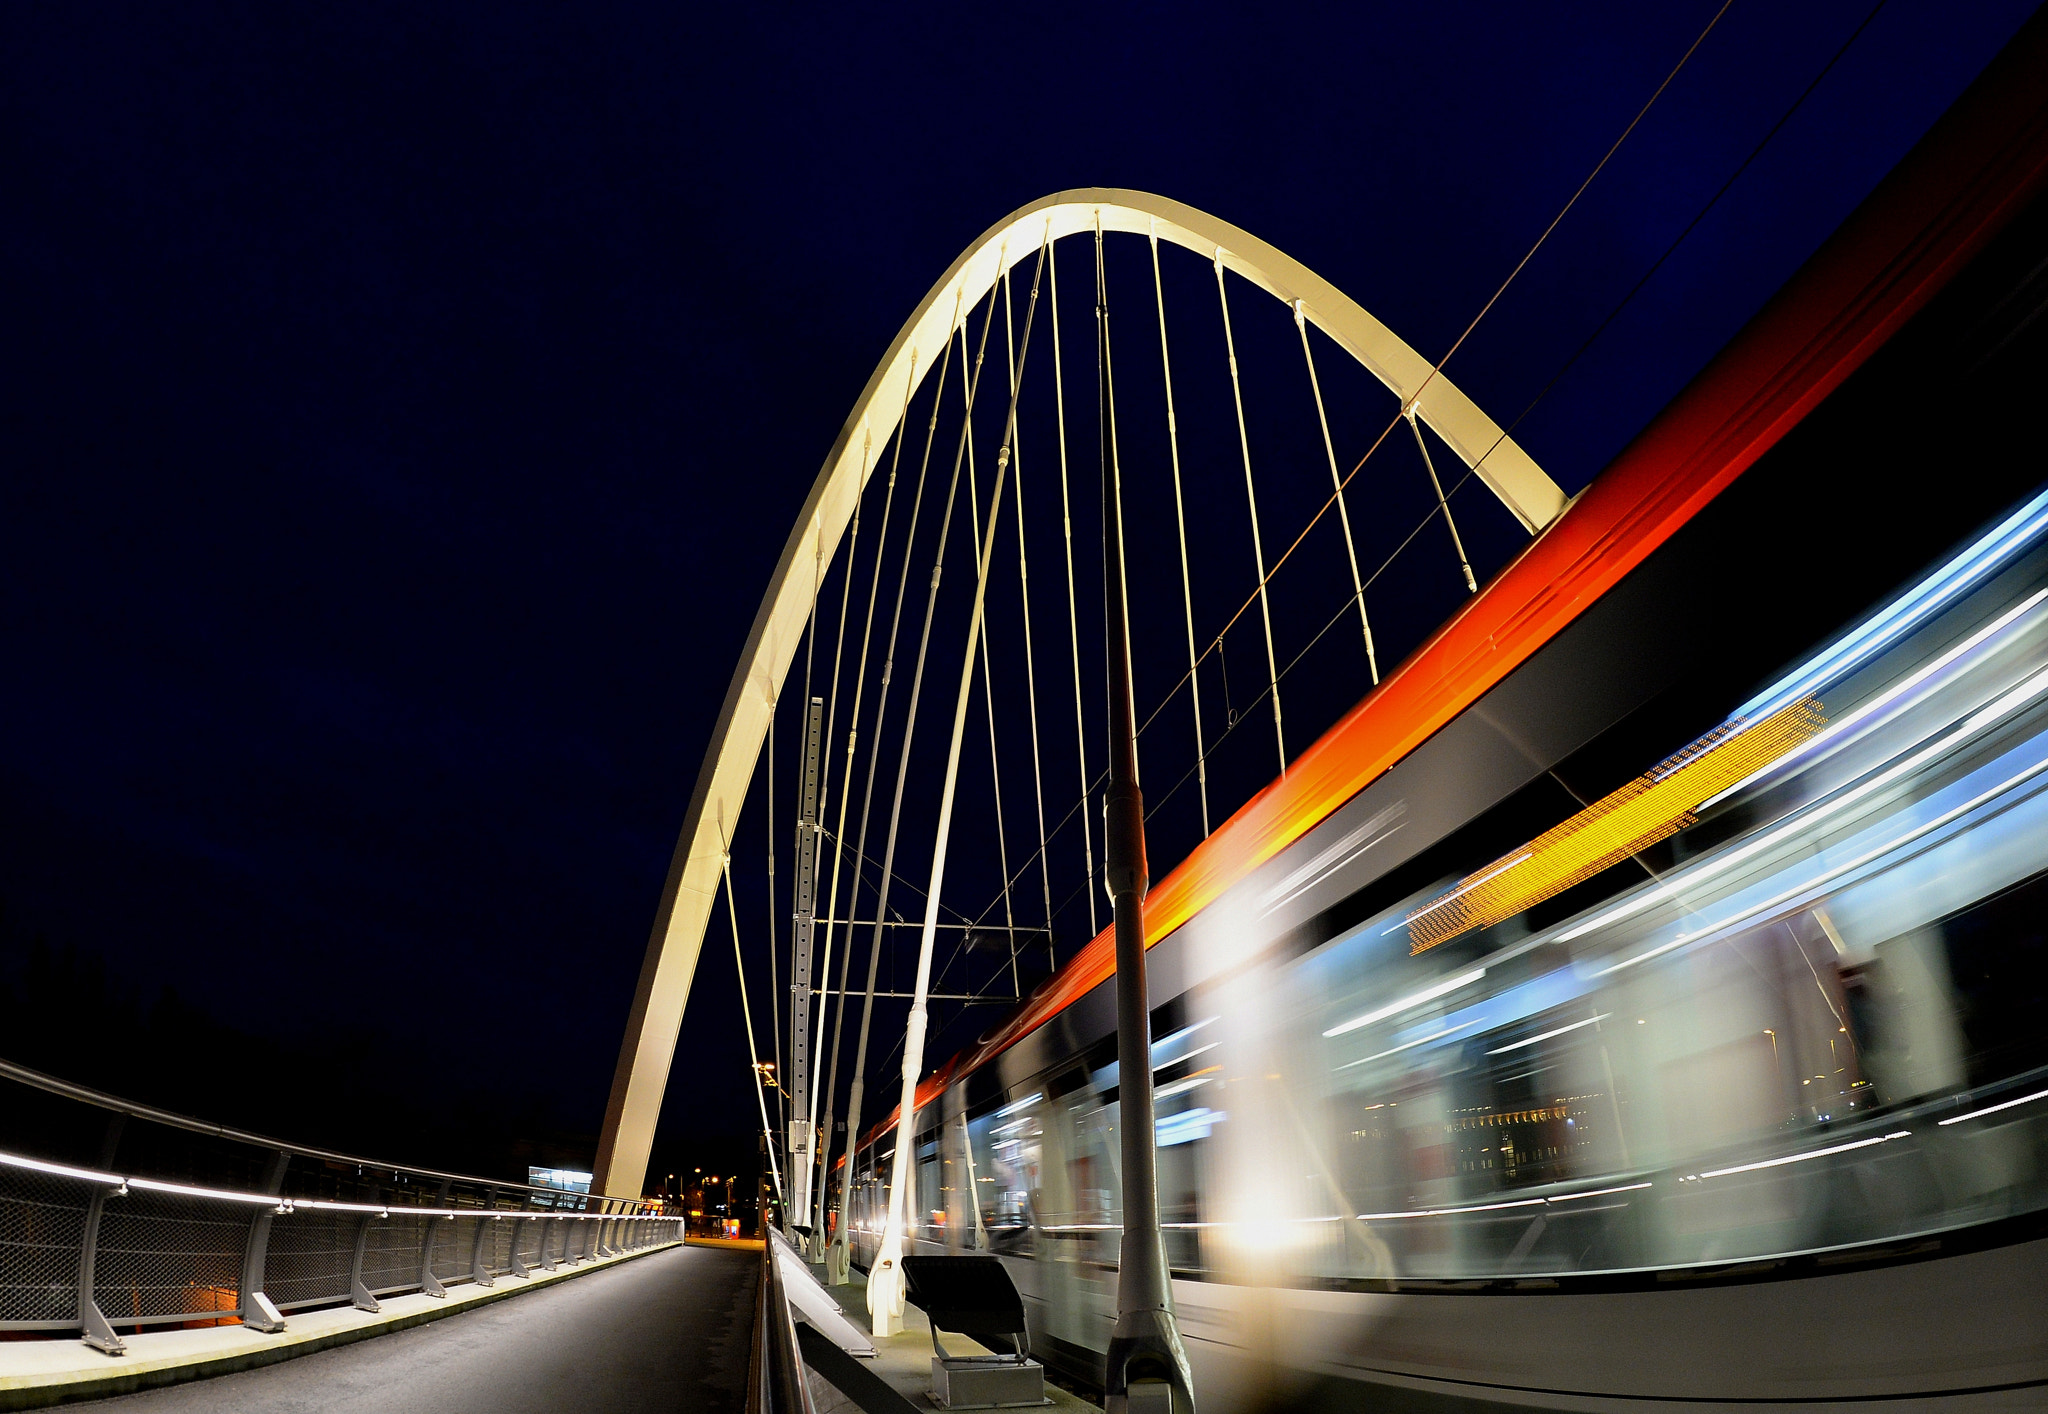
<point>547,1227</point>
<point>258,1314</point>
<point>96,1330</point>
<point>519,1267</point>
<point>359,1294</point>
<point>429,1283</point>
<point>480,1270</point>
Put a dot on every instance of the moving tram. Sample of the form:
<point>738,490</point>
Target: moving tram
<point>1640,995</point>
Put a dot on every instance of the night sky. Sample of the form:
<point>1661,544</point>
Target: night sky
<point>406,404</point>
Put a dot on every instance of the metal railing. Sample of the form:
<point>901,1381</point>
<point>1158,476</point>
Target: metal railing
<point>115,1217</point>
<point>781,1384</point>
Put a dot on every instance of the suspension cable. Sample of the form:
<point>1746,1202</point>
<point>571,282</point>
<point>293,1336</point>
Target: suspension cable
<point>995,764</point>
<point>825,799</point>
<point>1372,660</point>
<point>1067,524</point>
<point>1030,669</point>
<point>973,379</point>
<point>1180,523</point>
<point>1252,500</point>
<point>774,978</point>
<point>879,1290</point>
<point>1258,594</point>
<point>875,756</point>
<point>846,782</point>
<point>746,1010</point>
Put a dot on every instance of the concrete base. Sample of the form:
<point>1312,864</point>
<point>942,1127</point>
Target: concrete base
<point>903,1362</point>
<point>986,1382</point>
<point>38,1373</point>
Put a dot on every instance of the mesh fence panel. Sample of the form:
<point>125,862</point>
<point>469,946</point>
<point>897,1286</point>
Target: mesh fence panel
<point>454,1241</point>
<point>162,1255</point>
<point>498,1245</point>
<point>391,1258</point>
<point>309,1257</point>
<point>42,1221</point>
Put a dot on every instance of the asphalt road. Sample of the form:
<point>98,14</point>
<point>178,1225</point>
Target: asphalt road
<point>670,1331</point>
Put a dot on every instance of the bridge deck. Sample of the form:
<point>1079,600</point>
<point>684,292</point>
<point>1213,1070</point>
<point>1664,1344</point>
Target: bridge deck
<point>671,1330</point>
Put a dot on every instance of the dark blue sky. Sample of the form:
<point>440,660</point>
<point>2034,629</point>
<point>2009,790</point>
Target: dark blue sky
<point>406,403</point>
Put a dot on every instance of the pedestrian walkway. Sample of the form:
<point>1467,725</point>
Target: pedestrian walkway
<point>668,1331</point>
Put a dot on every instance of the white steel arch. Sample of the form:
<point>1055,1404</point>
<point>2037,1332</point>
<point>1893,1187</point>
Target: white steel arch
<point>655,1020</point>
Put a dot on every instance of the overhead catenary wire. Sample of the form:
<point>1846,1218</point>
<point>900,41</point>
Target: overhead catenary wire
<point>1251,497</point>
<point>1180,524</point>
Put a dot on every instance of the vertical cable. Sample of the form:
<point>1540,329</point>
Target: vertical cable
<point>774,978</point>
<point>1372,660</point>
<point>1252,499</point>
<point>995,768</point>
<point>825,804</point>
<point>837,1258</point>
<point>1180,521</point>
<point>746,1010</point>
<point>1030,670</point>
<point>860,678</point>
<point>1073,631</point>
<point>1443,504</point>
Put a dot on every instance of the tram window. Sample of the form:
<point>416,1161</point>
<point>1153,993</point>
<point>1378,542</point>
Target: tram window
<point>1998,962</point>
<point>929,1221</point>
<point>1007,1145</point>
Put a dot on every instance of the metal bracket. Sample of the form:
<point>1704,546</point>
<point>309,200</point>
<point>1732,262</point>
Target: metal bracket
<point>429,1283</point>
<point>358,1294</point>
<point>519,1267</point>
<point>258,1314</point>
<point>95,1328</point>
<point>547,1226</point>
<point>479,1272</point>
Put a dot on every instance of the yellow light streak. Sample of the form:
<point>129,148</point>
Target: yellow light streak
<point>1654,806</point>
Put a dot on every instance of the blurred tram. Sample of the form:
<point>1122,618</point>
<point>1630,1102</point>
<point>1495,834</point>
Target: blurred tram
<point>1642,994</point>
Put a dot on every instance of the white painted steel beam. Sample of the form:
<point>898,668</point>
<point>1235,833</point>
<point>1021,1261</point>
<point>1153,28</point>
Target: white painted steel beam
<point>690,889</point>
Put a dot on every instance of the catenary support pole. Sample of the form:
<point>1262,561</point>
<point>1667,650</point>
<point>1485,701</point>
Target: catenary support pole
<point>1147,1368</point>
<point>885,1279</point>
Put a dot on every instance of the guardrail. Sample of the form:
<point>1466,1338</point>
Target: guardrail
<point>781,1385</point>
<point>206,1224</point>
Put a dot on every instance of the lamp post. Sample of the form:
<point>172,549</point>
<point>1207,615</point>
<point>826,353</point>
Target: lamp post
<point>1147,1366</point>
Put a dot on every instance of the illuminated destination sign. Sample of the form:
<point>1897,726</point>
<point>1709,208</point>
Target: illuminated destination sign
<point>568,1180</point>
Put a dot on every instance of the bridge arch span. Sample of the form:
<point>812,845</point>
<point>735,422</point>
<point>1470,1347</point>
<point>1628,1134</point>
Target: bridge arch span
<point>655,1019</point>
